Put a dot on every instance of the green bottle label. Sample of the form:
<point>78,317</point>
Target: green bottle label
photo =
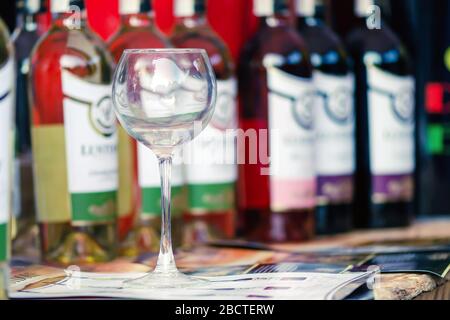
<point>211,197</point>
<point>150,183</point>
<point>151,201</point>
<point>3,242</point>
<point>93,207</point>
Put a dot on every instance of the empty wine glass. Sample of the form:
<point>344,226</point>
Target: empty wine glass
<point>164,98</point>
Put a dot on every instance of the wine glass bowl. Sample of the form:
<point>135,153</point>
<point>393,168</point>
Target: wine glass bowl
<point>164,97</point>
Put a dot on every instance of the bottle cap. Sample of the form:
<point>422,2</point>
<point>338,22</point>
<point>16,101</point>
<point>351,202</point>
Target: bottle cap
<point>264,8</point>
<point>134,6</point>
<point>362,7</point>
<point>305,8</point>
<point>58,6</point>
<point>31,6</point>
<point>188,8</point>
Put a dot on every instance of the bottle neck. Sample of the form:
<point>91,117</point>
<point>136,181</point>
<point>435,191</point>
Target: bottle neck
<point>27,22</point>
<point>136,20</point>
<point>69,20</point>
<point>304,22</point>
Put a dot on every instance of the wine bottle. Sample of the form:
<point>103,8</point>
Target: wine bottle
<point>138,30</point>
<point>333,120</point>
<point>6,150</point>
<point>28,31</point>
<point>385,122</point>
<point>210,170</point>
<point>74,140</point>
<point>276,92</point>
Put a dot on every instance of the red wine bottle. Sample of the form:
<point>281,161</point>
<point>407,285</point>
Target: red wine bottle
<point>211,181</point>
<point>385,122</point>
<point>277,96</point>
<point>334,120</point>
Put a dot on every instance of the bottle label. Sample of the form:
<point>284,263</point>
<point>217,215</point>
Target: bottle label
<point>93,156</point>
<point>6,147</point>
<point>127,158</point>
<point>335,137</point>
<point>211,171</point>
<point>150,183</point>
<point>50,172</point>
<point>292,170</point>
<point>91,148</point>
<point>391,135</point>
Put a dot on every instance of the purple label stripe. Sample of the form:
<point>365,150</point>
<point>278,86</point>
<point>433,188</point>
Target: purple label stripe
<point>389,188</point>
<point>334,189</point>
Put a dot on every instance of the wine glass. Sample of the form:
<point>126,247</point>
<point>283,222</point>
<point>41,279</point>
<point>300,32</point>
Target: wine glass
<point>164,98</point>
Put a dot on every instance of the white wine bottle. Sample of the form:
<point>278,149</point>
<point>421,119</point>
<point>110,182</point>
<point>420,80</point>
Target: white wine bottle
<point>6,154</point>
<point>211,180</point>
<point>75,140</point>
<point>138,30</point>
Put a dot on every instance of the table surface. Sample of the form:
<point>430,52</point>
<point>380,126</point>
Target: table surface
<point>394,286</point>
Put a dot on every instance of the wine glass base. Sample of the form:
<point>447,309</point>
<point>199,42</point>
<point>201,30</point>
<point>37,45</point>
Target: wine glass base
<point>164,280</point>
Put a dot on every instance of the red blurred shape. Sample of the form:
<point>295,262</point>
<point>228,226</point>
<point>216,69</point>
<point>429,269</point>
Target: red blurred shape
<point>103,16</point>
<point>434,98</point>
<point>164,14</point>
<point>230,19</point>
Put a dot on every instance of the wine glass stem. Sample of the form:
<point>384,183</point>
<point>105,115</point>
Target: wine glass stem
<point>166,260</point>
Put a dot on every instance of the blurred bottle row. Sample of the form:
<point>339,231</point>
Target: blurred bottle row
<point>340,117</point>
